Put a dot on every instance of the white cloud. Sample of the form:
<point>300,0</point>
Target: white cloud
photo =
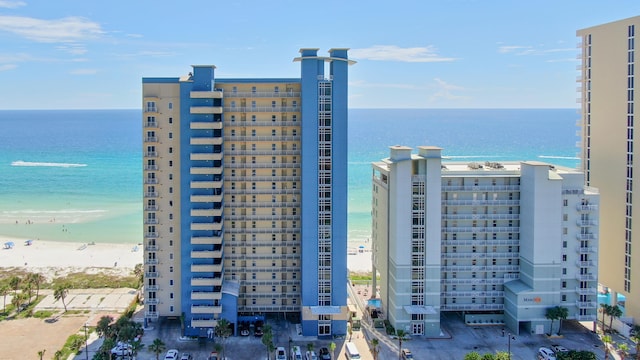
<point>444,91</point>
<point>83,72</point>
<point>396,53</point>
<point>530,50</point>
<point>9,4</point>
<point>512,48</point>
<point>73,48</point>
<point>6,67</point>
<point>67,29</point>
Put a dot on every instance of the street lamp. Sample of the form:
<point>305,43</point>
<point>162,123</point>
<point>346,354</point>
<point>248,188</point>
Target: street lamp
<point>290,341</point>
<point>509,338</point>
<point>86,345</point>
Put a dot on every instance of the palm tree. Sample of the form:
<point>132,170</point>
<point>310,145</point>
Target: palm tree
<point>17,301</point>
<point>401,334</point>
<point>606,340</point>
<point>58,355</point>
<point>102,328</point>
<point>36,279</point>
<point>157,347</point>
<point>635,337</point>
<point>375,348</point>
<point>563,314</point>
<point>14,283</point>
<point>309,347</point>
<point>60,293</point>
<point>27,289</point>
<point>223,331</point>
<point>267,339</point>
<point>4,291</point>
<point>604,309</point>
<point>623,350</point>
<point>614,312</point>
<point>41,353</point>
<point>551,314</point>
<point>332,347</point>
<point>135,347</point>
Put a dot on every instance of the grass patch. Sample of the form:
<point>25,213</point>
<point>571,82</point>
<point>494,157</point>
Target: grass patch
<point>43,314</point>
<point>72,346</point>
<point>28,311</point>
<point>74,312</point>
<point>96,281</point>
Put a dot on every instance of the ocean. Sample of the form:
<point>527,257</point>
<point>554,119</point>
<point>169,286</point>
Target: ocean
<point>76,175</point>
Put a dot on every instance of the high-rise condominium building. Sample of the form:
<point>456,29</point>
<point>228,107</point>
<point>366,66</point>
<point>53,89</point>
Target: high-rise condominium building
<point>499,242</point>
<point>245,197</point>
<point>607,85</point>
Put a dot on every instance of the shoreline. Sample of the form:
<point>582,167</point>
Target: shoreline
<point>55,258</point>
<point>51,257</point>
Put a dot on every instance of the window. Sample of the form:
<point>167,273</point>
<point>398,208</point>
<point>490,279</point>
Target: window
<point>170,135</point>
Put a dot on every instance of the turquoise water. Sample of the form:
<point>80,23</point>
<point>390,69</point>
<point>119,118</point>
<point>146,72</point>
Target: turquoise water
<point>82,168</point>
<point>606,299</point>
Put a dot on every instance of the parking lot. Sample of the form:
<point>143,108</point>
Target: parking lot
<point>457,340</point>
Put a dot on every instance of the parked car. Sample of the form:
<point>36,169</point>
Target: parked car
<point>546,354</point>
<point>172,355</point>
<point>186,356</point>
<point>121,349</point>
<point>281,354</point>
<point>244,331</point>
<point>258,331</point>
<point>324,354</point>
<point>311,355</point>
<point>406,354</point>
<point>213,356</point>
<point>559,349</point>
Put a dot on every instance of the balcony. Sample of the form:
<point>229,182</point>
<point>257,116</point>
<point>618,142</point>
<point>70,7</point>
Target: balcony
<point>206,254</point>
<point>586,291</point>
<point>150,139</point>
<point>585,277</point>
<point>206,198</point>
<point>151,109</point>
<point>203,323</point>
<point>215,94</point>
<point>151,248</point>
<point>151,221</point>
<point>470,202</point>
<point>151,275</point>
<point>585,249</point>
<point>586,304</point>
<point>151,167</point>
<point>151,124</point>
<point>206,309</point>
<point>589,263</point>
<point>252,109</point>
<point>206,184</point>
<point>206,212</point>
<point>580,236</point>
<point>206,156</point>
<point>152,287</point>
<point>205,110</point>
<point>150,181</point>
<point>202,281</point>
<point>585,317</point>
<point>151,234</point>
<point>197,170</point>
<point>206,226</point>
<point>475,188</point>
<point>151,261</point>
<point>151,208</point>
<point>151,194</point>
<point>206,141</point>
<point>206,295</point>
<point>256,94</point>
<point>205,125</point>
<point>586,207</point>
<point>151,314</point>
<point>209,268</point>
<point>206,240</point>
<point>151,154</point>
<point>586,222</point>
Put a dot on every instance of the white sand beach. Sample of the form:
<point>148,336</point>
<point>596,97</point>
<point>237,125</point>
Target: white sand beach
<point>359,256</point>
<point>53,257</point>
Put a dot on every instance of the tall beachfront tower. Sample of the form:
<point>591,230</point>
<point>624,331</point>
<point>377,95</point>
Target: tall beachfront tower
<point>607,84</point>
<point>245,197</point>
<point>499,242</point>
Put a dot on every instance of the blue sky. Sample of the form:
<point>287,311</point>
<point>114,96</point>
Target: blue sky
<point>84,54</point>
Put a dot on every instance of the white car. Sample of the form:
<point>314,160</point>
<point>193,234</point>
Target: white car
<point>172,355</point>
<point>311,355</point>
<point>281,353</point>
<point>546,354</point>
<point>559,348</point>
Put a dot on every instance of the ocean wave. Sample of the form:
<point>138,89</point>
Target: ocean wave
<point>45,164</point>
<point>470,156</point>
<point>559,157</point>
